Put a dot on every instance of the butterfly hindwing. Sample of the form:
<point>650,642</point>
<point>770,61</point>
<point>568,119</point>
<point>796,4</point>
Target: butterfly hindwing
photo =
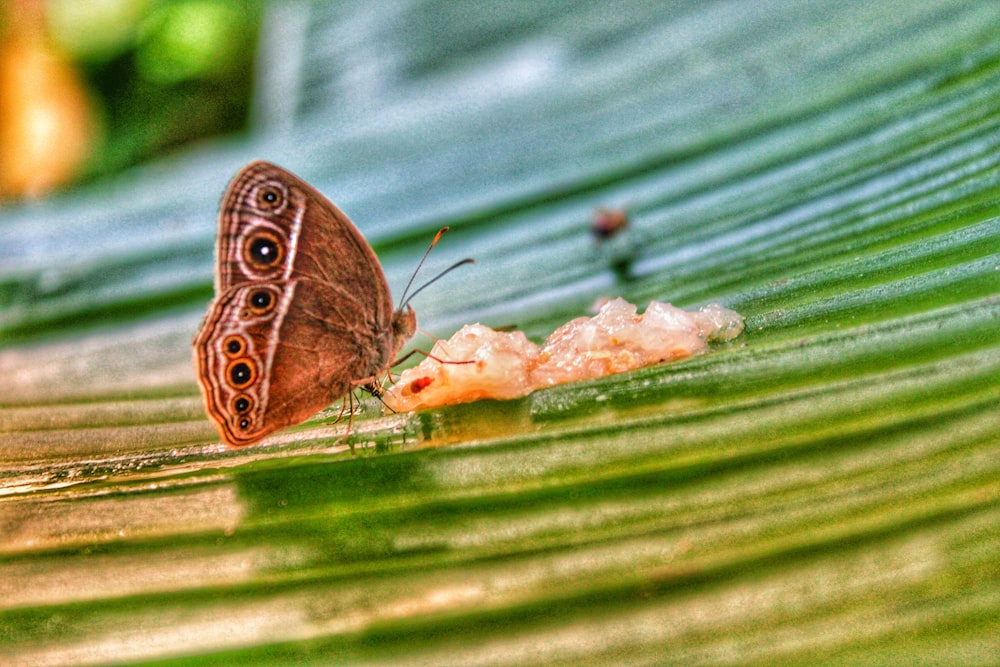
<point>277,352</point>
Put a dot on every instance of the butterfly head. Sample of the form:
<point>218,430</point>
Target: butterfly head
<point>404,323</point>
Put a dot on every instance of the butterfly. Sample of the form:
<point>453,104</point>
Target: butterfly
<point>302,313</point>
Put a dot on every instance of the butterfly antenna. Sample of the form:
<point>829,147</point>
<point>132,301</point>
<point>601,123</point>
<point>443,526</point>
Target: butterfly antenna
<point>404,299</point>
<point>467,260</point>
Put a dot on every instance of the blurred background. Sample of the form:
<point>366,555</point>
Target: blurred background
<point>89,89</point>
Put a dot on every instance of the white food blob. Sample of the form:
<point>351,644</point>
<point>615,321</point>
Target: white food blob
<point>503,365</point>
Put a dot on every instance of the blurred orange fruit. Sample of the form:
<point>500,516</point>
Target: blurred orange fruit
<point>48,122</point>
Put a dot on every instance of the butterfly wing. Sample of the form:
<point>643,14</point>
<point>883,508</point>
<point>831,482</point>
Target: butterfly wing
<point>275,226</point>
<point>271,354</point>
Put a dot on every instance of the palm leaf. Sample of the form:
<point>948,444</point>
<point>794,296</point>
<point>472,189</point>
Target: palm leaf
<point>824,488</point>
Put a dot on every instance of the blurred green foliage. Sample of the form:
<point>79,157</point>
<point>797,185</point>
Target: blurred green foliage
<point>165,72</point>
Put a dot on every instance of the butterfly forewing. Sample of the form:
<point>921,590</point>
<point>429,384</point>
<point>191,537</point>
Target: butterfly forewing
<point>275,226</point>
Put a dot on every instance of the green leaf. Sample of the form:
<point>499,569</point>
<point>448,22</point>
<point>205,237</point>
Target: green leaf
<point>823,489</point>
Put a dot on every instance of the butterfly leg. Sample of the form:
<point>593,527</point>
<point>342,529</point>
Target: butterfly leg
<point>430,356</point>
<point>350,419</point>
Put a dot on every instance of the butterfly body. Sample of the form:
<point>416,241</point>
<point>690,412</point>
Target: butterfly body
<point>302,312</point>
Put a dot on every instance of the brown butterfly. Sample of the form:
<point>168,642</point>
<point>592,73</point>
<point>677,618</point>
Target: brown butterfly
<point>302,311</point>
